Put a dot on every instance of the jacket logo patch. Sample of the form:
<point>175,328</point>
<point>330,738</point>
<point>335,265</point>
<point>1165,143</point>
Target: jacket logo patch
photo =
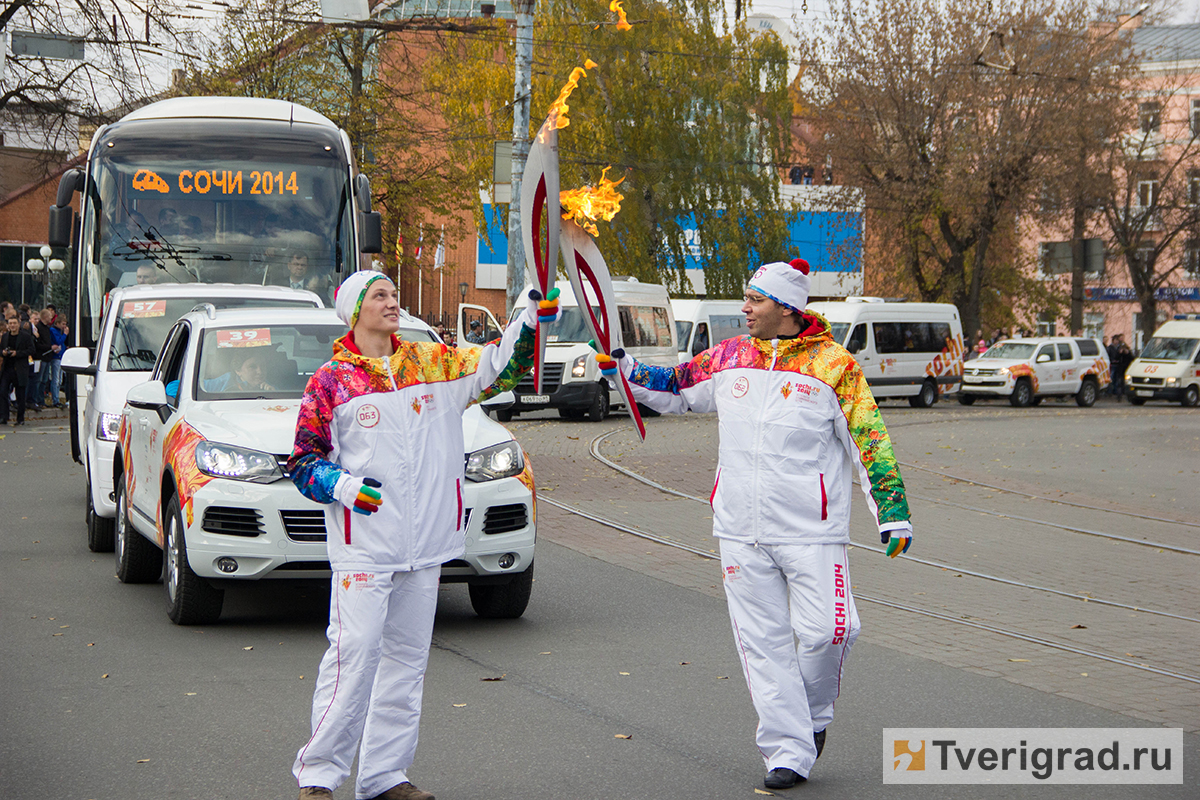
<point>803,391</point>
<point>368,416</point>
<point>732,573</point>
<point>357,580</point>
<point>422,402</point>
<point>786,390</point>
<point>740,387</point>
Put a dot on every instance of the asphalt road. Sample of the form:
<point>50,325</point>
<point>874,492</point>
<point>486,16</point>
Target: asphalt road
<point>104,698</point>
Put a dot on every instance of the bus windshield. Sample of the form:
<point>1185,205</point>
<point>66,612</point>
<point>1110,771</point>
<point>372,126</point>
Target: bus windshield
<point>256,201</point>
<point>141,326</point>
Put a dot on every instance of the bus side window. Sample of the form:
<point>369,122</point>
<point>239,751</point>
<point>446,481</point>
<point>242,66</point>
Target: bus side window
<point>858,338</point>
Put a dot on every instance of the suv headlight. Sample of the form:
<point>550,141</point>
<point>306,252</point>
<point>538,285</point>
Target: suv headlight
<point>579,367</point>
<point>109,427</point>
<point>492,463</point>
<point>1003,371</point>
<point>238,463</point>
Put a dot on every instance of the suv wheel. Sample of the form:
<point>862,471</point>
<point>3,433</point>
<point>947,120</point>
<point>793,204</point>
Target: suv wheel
<point>926,397</point>
<point>138,560</point>
<point>1086,397</point>
<point>598,410</point>
<point>191,600</point>
<point>101,531</point>
<point>502,600</point>
<point>1191,396</point>
<point>966,399</point>
<point>1137,401</point>
<point>1022,394</point>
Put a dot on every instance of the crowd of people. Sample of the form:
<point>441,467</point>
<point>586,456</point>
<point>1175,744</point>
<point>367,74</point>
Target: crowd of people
<point>31,349</point>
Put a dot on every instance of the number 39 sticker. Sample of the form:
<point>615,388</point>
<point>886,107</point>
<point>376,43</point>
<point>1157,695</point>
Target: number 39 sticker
<point>254,337</point>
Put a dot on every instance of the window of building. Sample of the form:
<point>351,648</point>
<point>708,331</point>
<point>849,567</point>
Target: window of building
<point>1047,324</point>
<point>1196,117</point>
<point>1093,326</point>
<point>1150,117</point>
<point>1193,188</point>
<point>1191,258</point>
<point>1147,193</point>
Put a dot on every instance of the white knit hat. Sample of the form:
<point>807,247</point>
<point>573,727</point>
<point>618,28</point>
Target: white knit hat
<point>349,296</point>
<point>786,284</point>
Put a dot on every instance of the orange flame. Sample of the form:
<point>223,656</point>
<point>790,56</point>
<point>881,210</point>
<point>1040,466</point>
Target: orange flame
<point>622,23</point>
<point>559,108</point>
<point>592,203</point>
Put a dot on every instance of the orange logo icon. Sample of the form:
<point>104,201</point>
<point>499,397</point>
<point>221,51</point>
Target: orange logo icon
<point>146,181</point>
<point>786,391</point>
<point>908,755</point>
<point>346,582</point>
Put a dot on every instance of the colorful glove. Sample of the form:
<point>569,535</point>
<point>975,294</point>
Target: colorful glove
<point>360,495</point>
<point>608,363</point>
<point>897,541</point>
<point>544,311</point>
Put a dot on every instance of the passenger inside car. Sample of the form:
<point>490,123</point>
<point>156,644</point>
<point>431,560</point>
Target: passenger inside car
<point>247,372</point>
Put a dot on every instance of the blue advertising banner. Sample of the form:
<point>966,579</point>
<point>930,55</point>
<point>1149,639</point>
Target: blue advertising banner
<point>1127,295</point>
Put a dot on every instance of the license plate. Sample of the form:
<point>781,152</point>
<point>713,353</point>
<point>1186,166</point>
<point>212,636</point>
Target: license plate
<point>1145,393</point>
<point>533,399</point>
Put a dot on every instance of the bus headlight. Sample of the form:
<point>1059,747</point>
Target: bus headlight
<point>492,463</point>
<point>579,367</point>
<point>238,463</point>
<point>109,427</point>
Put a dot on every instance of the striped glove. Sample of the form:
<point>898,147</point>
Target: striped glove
<point>608,363</point>
<point>547,310</point>
<point>360,495</point>
<point>897,541</point>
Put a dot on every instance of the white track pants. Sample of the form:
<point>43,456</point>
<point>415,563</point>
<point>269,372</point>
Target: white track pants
<point>370,681</point>
<point>775,593</point>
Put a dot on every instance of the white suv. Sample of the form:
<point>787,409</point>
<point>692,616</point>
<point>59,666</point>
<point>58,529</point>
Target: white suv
<point>135,324</point>
<point>1026,370</point>
<point>201,490</point>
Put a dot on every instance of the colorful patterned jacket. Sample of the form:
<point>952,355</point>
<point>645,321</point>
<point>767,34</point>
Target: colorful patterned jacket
<point>398,420</point>
<point>793,415</point>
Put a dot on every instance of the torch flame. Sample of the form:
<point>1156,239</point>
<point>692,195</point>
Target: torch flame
<point>592,203</point>
<point>559,108</point>
<point>622,23</point>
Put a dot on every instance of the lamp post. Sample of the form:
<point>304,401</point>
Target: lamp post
<point>44,268</point>
<point>462,290</point>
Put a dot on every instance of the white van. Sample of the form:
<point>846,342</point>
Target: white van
<point>571,382</point>
<point>1168,368</point>
<point>135,323</point>
<point>701,324</point>
<point>912,350</point>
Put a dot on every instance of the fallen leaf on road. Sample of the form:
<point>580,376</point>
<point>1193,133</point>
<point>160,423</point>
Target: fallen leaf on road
<point>105,675</point>
<point>722,677</point>
<point>190,694</point>
<point>64,626</point>
<point>622,673</point>
<point>91,644</point>
<point>684,663</point>
<point>1078,626</point>
<point>1018,659</point>
<point>56,634</point>
<point>763,791</point>
<point>545,653</point>
<point>251,647</point>
<point>1084,674</point>
<point>493,679</point>
<point>622,736</point>
<point>575,438</point>
<point>143,761</point>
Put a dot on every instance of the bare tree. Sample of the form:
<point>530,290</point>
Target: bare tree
<point>950,115</point>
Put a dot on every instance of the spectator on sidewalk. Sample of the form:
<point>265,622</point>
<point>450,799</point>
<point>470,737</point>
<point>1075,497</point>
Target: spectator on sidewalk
<point>1119,358</point>
<point>16,348</point>
<point>53,368</point>
<point>42,342</point>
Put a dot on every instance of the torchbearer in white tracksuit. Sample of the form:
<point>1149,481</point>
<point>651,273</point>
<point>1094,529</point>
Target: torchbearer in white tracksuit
<point>796,420</point>
<point>379,440</point>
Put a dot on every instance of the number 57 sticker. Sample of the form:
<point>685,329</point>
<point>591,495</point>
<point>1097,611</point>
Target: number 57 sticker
<point>253,337</point>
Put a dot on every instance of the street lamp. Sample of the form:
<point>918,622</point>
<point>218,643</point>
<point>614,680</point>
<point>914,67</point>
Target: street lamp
<point>462,290</point>
<point>44,267</point>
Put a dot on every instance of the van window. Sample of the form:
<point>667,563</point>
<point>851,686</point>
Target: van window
<point>1064,351</point>
<point>644,326</point>
<point>727,326</point>
<point>858,339</point>
<point>837,330</point>
<point>911,337</point>
<point>1087,347</point>
<point>682,331</point>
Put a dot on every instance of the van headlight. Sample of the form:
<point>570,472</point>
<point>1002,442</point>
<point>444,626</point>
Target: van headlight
<point>579,367</point>
<point>237,463</point>
<point>492,463</point>
<point>1171,382</point>
<point>109,427</point>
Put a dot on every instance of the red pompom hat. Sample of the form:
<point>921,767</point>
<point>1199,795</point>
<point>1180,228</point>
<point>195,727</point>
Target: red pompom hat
<point>786,284</point>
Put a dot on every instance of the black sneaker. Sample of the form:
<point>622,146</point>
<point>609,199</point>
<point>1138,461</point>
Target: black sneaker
<point>782,778</point>
<point>819,741</point>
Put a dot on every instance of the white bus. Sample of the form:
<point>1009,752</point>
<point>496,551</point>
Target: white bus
<point>210,190</point>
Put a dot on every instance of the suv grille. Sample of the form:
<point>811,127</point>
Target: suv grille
<point>551,378</point>
<point>304,526</point>
<point>502,519</point>
<point>977,371</point>
<point>232,521</point>
<point>1140,381</point>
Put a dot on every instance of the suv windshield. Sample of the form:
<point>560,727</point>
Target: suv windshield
<point>1172,349</point>
<point>270,362</point>
<point>141,326</point>
<point>265,203</point>
<point>1010,350</point>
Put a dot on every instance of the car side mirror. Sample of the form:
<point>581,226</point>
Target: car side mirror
<point>370,232</point>
<point>78,361</point>
<point>1043,358</point>
<point>151,395</point>
<point>500,401</point>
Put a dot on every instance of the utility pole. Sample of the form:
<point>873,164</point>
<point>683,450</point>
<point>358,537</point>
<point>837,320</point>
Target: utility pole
<point>522,83</point>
